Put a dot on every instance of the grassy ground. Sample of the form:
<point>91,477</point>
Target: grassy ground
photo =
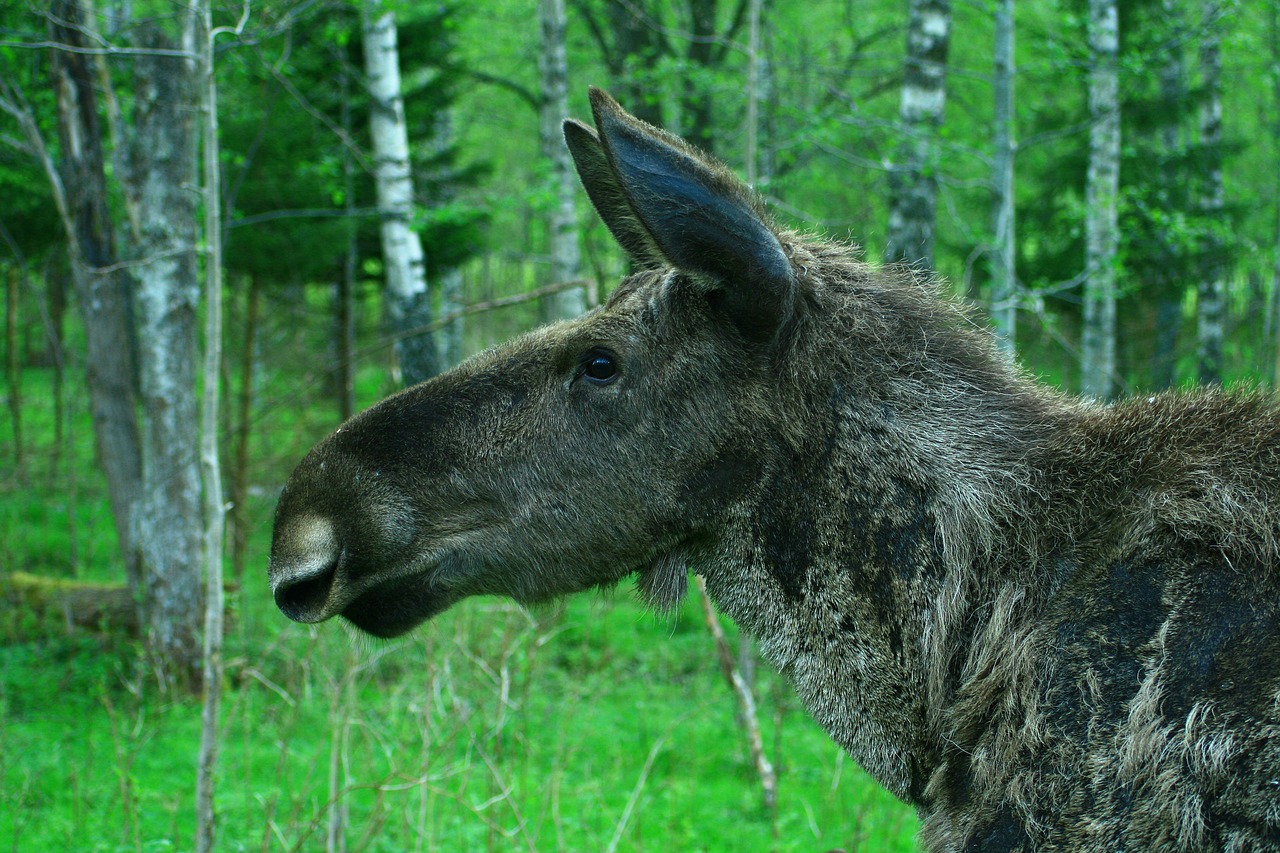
<point>591,726</point>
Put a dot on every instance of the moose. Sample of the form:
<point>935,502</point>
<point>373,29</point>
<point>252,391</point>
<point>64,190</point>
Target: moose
<point>1044,622</point>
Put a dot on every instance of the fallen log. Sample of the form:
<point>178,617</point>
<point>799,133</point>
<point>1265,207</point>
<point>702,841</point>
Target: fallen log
<point>33,600</point>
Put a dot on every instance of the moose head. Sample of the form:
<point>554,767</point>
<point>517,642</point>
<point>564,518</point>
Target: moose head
<point>606,446</point>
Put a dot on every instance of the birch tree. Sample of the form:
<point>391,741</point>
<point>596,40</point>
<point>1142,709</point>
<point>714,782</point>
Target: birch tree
<point>1004,279</point>
<point>407,298</point>
<point>166,298</point>
<point>1211,296</point>
<point>553,66</point>
<point>1102,185</point>
<point>913,183</point>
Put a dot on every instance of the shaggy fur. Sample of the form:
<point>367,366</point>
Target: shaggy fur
<point>1045,623</point>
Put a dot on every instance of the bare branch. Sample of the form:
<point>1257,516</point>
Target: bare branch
<point>477,307</point>
<point>110,50</point>
<point>237,30</point>
<point>15,143</point>
<point>14,102</point>
<point>302,213</point>
<point>746,702</point>
<point>524,93</point>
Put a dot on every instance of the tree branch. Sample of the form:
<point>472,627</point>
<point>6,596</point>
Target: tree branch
<point>746,702</point>
<point>522,92</point>
<point>476,308</point>
<point>110,50</point>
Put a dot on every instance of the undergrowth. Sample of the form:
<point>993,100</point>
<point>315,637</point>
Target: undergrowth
<point>593,726</point>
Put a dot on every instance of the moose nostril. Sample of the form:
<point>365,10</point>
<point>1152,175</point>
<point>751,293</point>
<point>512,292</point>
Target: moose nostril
<point>306,553</point>
<point>304,598</point>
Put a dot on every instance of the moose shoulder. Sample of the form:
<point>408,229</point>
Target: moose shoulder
<point>1045,623</point>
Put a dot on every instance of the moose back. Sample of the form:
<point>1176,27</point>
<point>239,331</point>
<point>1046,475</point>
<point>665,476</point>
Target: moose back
<point>1045,623</point>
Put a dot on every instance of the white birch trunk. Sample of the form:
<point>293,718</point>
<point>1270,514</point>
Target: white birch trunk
<point>913,184</point>
<point>1211,301</point>
<point>1004,293</point>
<point>566,260</point>
<point>167,518</point>
<point>1098,350</point>
<point>407,298</point>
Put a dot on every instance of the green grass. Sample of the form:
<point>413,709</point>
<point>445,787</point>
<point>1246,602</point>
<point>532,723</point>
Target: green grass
<point>490,728</point>
<point>572,728</point>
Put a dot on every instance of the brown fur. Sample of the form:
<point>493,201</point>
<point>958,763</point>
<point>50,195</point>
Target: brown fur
<point>1046,623</point>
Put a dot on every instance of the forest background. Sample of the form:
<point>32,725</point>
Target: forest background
<point>1101,178</point>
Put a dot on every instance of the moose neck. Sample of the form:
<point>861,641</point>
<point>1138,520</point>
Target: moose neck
<point>863,559</point>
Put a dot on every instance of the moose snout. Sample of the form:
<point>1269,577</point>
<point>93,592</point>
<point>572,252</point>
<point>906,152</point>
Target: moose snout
<point>305,557</point>
<point>304,597</point>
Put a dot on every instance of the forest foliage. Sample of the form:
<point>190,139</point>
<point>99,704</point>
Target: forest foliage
<point>805,98</point>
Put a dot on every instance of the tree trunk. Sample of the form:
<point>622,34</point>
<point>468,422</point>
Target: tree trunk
<point>202,34</point>
<point>448,279</point>
<point>757,85</point>
<point>1164,360</point>
<point>345,315</point>
<point>451,304</point>
<point>1098,362</point>
<point>1004,293</point>
<point>636,44</point>
<point>913,183</point>
<point>13,368</point>
<point>240,476</point>
<point>566,262</point>
<point>697,123</point>
<point>407,298</point>
<point>1211,301</point>
<point>344,333</point>
<point>1275,275</point>
<point>1168,281</point>
<point>52,319</point>
<point>168,518</point>
<point>1275,306</point>
<point>102,287</point>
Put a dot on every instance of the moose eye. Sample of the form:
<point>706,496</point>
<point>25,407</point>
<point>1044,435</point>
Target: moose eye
<point>599,367</point>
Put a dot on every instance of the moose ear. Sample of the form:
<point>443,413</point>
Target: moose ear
<point>607,197</point>
<point>699,217</point>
